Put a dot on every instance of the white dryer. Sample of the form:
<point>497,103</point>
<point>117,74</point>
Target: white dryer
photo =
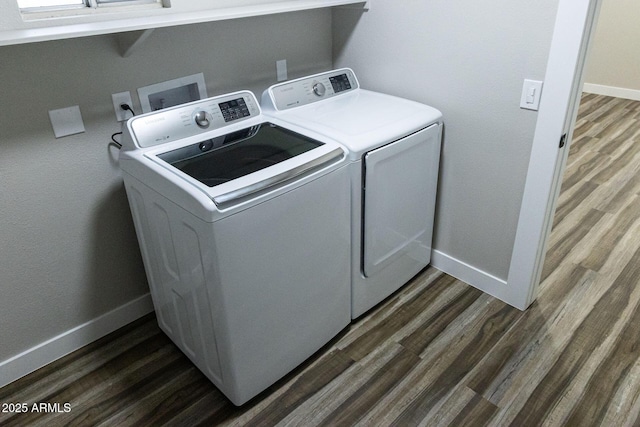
<point>243,224</point>
<point>394,149</point>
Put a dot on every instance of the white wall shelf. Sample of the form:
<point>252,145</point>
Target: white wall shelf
<point>166,18</point>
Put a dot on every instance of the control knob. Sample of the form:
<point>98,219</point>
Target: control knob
<point>319,89</point>
<point>201,119</point>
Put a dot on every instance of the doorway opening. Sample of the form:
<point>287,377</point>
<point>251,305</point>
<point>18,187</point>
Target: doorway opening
<point>597,213</point>
<point>597,218</point>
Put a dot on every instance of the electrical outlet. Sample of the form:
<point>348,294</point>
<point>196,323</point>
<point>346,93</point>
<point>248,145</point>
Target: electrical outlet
<point>119,99</point>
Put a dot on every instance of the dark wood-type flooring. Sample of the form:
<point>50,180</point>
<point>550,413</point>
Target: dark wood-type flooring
<point>438,352</point>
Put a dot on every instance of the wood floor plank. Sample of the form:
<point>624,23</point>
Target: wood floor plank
<point>629,133</point>
<point>583,342</point>
<point>302,389</point>
<point>611,196</point>
<point>591,163</point>
<point>419,340</point>
<point>463,406</point>
<point>620,252</point>
<point>131,371</point>
<point>76,365</point>
<point>572,394</point>
<point>490,332</point>
<point>579,146</point>
<point>378,385</point>
<point>512,388</point>
<point>596,397</point>
<point>494,372</point>
<point>607,240</point>
<point>597,104</point>
<point>619,123</point>
<point>195,411</point>
<point>561,249</point>
<point>625,405</point>
<point>605,111</point>
<point>366,380</point>
<point>564,228</point>
<point>377,317</point>
<point>522,380</point>
<point>568,205</point>
<point>435,360</point>
<point>366,343</point>
<point>583,129</point>
<point>160,404</point>
<point>477,413</point>
<point>627,157</point>
<point>630,188</point>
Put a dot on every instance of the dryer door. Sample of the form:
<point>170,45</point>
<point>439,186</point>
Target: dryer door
<point>400,183</point>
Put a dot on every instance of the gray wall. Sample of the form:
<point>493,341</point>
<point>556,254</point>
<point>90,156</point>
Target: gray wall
<point>613,56</point>
<point>68,251</point>
<point>467,58</point>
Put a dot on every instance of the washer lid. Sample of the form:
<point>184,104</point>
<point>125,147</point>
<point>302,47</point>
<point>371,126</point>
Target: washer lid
<point>239,168</point>
<point>227,157</point>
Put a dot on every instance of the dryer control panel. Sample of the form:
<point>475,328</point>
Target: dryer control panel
<point>194,118</point>
<point>307,90</point>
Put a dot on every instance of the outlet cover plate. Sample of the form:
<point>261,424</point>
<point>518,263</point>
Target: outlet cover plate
<point>66,121</point>
<point>121,98</point>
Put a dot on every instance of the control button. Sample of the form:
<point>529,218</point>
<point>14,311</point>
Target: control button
<point>319,89</point>
<point>201,119</point>
<point>206,145</point>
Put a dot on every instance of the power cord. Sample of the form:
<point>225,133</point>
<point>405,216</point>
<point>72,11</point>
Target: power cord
<point>113,139</point>
<point>125,107</point>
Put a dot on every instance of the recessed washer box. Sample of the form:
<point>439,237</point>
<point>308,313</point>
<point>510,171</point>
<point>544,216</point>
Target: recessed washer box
<point>172,92</point>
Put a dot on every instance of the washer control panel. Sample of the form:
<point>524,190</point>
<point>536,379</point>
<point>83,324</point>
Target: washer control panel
<point>319,88</point>
<point>307,90</point>
<point>194,118</point>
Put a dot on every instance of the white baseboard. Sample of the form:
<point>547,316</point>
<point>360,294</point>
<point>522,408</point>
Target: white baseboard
<point>46,352</point>
<point>477,278</point>
<point>618,92</point>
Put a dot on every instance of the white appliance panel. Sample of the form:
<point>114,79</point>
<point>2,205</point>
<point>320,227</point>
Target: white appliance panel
<point>251,276</point>
<point>250,296</point>
<point>290,303</point>
<point>310,89</point>
<point>398,200</point>
<point>178,264</point>
<point>394,149</point>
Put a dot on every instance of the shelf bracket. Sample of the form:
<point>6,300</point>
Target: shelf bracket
<point>130,41</point>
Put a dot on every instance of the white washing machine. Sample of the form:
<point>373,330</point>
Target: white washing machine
<point>394,150</point>
<point>243,225</point>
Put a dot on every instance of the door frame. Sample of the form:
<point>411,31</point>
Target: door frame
<point>572,34</point>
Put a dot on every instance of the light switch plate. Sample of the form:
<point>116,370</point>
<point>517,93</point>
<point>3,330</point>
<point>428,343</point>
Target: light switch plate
<point>66,121</point>
<point>531,92</point>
